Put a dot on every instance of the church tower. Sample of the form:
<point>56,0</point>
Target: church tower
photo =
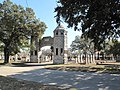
<point>60,45</point>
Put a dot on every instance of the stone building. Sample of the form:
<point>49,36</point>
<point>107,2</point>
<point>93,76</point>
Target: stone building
<point>58,45</point>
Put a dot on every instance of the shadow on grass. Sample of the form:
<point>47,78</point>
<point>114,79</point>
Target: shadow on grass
<point>23,64</point>
<point>28,64</point>
<point>68,79</point>
<point>2,63</point>
<point>8,83</point>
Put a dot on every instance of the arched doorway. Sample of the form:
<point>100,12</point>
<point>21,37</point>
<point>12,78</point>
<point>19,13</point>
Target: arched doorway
<point>45,54</point>
<point>43,50</point>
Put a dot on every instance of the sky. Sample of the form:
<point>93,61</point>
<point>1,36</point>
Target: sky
<point>44,10</point>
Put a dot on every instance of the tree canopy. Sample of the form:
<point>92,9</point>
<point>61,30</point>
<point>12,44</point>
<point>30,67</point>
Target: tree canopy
<point>97,19</point>
<point>16,27</point>
<point>82,45</point>
<point>114,48</point>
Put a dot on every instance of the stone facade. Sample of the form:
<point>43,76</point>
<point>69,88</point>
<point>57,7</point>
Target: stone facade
<point>58,44</point>
<point>34,51</point>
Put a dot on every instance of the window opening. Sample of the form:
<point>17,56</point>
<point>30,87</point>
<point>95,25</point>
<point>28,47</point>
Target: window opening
<point>35,52</point>
<point>56,51</point>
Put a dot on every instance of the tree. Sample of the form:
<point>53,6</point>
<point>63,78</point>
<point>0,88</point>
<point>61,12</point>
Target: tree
<point>82,45</point>
<point>98,19</point>
<point>75,44</point>
<point>37,30</point>
<point>16,27</point>
<point>114,49</point>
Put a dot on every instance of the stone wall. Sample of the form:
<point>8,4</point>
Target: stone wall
<point>58,43</point>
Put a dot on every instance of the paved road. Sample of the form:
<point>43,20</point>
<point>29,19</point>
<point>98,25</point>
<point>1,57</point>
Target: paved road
<point>66,79</point>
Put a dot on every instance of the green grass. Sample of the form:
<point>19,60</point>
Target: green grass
<point>87,68</point>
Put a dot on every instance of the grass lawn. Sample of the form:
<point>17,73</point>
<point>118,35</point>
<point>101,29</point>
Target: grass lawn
<point>7,83</point>
<point>105,68</point>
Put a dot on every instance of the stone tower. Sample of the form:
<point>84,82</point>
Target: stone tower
<point>60,45</point>
<point>34,51</point>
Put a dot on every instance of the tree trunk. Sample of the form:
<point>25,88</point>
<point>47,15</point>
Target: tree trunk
<point>6,55</point>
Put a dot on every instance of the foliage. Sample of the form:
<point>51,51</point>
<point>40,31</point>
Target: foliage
<point>16,27</point>
<point>37,31</point>
<point>82,45</point>
<point>98,19</point>
<point>114,49</point>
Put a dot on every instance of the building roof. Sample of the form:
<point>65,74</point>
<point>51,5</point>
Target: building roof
<point>60,27</point>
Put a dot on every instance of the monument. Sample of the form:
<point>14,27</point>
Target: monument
<point>58,45</point>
